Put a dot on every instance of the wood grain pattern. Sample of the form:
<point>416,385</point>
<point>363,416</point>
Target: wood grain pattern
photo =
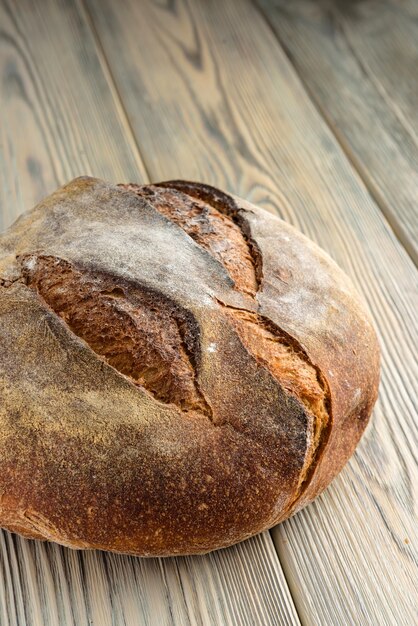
<point>61,117</point>
<point>211,95</point>
<point>47,585</point>
<point>359,61</point>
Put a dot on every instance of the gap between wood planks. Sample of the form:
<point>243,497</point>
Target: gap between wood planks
<point>355,160</point>
<point>122,113</point>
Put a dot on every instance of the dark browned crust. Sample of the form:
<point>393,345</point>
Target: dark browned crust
<point>197,433</point>
<point>138,331</point>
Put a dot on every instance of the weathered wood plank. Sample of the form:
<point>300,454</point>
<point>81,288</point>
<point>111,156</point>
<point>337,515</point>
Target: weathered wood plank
<point>46,584</point>
<point>359,61</point>
<point>61,117</point>
<point>211,95</point>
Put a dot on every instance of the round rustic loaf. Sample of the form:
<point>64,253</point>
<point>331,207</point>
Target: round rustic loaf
<point>179,370</point>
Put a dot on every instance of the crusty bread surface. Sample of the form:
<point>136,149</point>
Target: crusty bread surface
<point>179,369</point>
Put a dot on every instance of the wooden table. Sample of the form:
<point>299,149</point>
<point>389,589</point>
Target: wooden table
<point>310,109</point>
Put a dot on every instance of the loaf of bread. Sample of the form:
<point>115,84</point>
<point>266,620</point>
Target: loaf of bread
<point>179,369</point>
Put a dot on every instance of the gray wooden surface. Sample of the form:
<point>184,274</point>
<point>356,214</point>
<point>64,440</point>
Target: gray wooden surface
<point>359,62</point>
<point>206,90</point>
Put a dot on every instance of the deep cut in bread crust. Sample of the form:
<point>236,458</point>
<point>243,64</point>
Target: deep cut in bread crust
<point>179,369</point>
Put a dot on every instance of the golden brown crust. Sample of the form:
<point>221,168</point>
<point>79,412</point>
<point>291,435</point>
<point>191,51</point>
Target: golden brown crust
<point>197,432</point>
<point>139,332</point>
<point>210,228</point>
